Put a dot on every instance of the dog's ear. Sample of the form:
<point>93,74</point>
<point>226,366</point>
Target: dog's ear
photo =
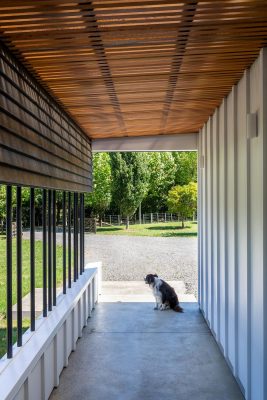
<point>155,275</point>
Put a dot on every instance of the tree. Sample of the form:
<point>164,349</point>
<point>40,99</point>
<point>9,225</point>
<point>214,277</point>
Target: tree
<point>100,198</point>
<point>129,182</point>
<point>162,177</point>
<point>183,200</point>
<point>185,167</point>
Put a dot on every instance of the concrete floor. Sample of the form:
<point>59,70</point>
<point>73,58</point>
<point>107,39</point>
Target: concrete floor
<point>131,352</point>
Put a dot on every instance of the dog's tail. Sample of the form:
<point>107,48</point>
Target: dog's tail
<point>177,308</point>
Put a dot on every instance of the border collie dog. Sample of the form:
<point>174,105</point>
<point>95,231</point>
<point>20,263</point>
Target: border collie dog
<point>165,295</point>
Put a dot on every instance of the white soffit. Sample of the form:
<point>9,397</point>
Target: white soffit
<point>179,142</point>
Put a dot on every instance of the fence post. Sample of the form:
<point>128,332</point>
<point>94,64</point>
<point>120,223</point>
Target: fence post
<point>110,220</point>
<point>151,218</point>
<point>171,217</point>
<point>165,217</point>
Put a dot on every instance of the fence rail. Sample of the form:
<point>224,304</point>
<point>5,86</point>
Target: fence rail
<point>146,218</point>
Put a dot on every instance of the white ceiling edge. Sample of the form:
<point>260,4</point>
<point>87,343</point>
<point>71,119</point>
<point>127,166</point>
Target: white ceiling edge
<point>178,142</point>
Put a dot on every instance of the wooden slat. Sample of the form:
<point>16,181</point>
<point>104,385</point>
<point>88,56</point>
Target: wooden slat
<point>40,145</point>
<point>138,67</point>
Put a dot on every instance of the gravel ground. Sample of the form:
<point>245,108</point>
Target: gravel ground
<point>131,258</point>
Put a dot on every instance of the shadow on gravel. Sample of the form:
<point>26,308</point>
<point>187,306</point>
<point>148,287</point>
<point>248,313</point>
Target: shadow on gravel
<point>108,229</point>
<point>172,234</point>
<point>167,228</point>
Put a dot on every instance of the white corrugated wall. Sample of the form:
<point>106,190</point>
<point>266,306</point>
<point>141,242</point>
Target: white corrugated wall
<point>233,228</point>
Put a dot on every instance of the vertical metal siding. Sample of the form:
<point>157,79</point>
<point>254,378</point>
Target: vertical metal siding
<point>231,233</point>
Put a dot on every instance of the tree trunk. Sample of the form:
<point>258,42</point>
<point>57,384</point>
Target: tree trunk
<point>182,224</point>
<point>127,222</point>
<point>100,221</point>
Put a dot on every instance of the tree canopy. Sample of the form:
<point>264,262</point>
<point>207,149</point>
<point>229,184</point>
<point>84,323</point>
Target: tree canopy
<point>99,200</point>
<point>129,181</point>
<point>183,200</point>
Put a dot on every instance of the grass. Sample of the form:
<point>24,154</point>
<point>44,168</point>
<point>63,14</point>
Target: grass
<point>165,229</point>
<point>25,279</point>
<point>25,326</point>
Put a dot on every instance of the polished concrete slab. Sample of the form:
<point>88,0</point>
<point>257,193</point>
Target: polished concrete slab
<point>131,352</point>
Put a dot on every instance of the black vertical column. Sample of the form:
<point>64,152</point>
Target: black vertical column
<point>54,279</point>
<point>19,268</point>
<point>44,255</point>
<point>64,240</point>
<point>75,236</point>
<point>32,257</point>
<point>9,268</point>
<point>49,250</point>
<point>81,233</point>
<point>69,240</point>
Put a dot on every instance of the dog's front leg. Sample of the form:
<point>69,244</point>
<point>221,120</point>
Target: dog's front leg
<point>158,303</point>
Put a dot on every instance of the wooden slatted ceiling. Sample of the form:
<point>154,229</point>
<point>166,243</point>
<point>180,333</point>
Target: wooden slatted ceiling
<point>138,67</point>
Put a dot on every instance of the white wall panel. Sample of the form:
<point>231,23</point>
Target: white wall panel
<point>256,226</point>
<point>222,222</point>
<point>215,224</point>
<point>233,229</point>
<point>242,227</point>
<point>231,232</point>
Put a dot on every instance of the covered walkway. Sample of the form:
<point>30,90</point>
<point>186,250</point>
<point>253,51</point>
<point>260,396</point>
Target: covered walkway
<point>131,352</point>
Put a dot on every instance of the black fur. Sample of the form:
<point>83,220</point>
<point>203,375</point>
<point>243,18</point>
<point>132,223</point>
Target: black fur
<point>169,296</point>
<point>168,293</point>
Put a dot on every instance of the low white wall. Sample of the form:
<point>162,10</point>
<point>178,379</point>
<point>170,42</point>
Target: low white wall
<point>233,227</point>
<point>34,370</point>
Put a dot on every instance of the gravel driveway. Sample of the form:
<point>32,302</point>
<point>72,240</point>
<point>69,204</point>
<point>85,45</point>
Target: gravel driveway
<point>132,257</point>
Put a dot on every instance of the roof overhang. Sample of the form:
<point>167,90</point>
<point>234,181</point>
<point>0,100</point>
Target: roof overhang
<point>139,67</point>
<point>181,142</point>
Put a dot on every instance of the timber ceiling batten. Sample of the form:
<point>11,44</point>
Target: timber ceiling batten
<point>137,67</point>
<point>182,38</point>
<point>97,45</point>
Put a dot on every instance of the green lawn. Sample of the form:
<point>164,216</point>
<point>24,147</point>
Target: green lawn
<point>25,270</point>
<point>165,229</point>
<point>25,279</point>
<point>25,326</point>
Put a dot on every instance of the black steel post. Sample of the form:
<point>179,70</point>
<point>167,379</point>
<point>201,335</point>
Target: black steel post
<point>9,268</point>
<point>32,257</point>
<point>54,285</point>
<point>69,240</point>
<point>44,255</point>
<point>81,234</point>
<point>75,237</point>
<point>49,251</point>
<point>64,240</point>
<point>19,268</point>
